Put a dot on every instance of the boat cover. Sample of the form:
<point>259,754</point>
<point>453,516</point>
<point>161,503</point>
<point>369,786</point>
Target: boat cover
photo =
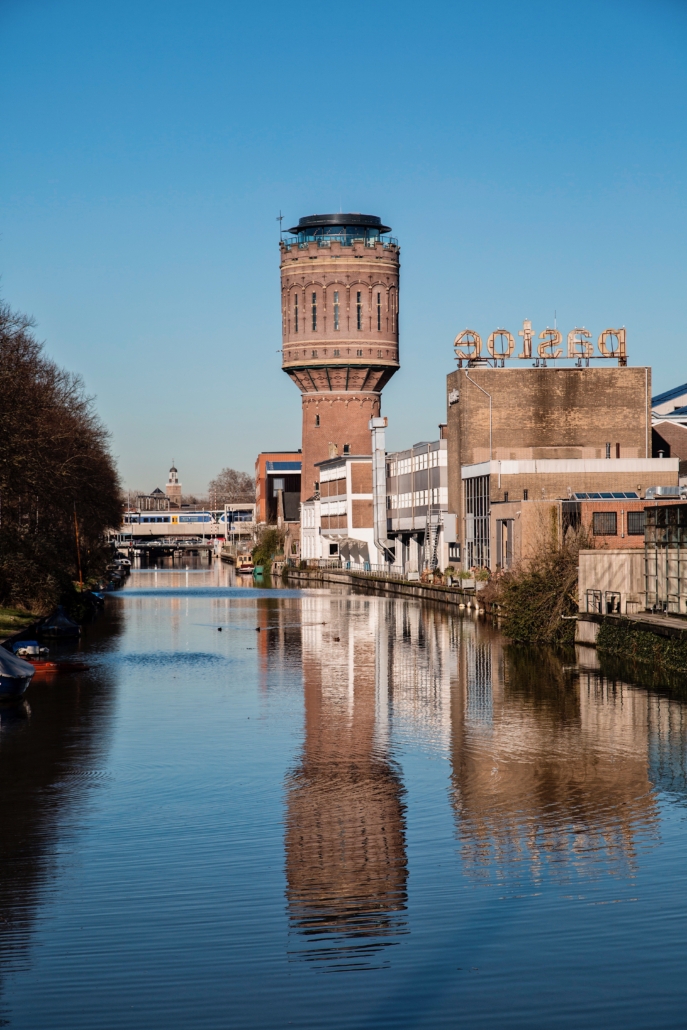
<point>15,668</point>
<point>59,625</point>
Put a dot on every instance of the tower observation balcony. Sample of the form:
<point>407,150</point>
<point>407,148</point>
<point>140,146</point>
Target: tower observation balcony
<point>345,229</point>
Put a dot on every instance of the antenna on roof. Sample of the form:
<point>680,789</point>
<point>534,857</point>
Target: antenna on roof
<point>280,219</point>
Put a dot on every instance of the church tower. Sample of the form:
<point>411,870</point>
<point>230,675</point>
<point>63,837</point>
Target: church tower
<point>173,487</point>
<point>339,281</point>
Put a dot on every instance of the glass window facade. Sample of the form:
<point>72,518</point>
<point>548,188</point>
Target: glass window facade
<point>477,521</point>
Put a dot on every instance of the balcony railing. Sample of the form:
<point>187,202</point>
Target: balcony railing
<point>345,241</point>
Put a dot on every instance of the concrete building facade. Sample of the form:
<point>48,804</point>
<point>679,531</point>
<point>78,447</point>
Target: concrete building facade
<point>338,522</point>
<point>418,521</point>
<point>339,283</point>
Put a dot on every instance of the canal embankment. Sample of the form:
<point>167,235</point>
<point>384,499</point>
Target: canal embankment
<point>388,586</point>
<point>652,639</point>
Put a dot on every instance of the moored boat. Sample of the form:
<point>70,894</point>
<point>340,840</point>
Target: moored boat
<point>15,675</point>
<point>244,564</point>
<point>59,625</point>
<point>29,649</point>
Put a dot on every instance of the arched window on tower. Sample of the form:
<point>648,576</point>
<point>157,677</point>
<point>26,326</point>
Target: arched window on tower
<point>359,309</point>
<point>295,312</point>
<point>317,420</point>
<point>314,312</point>
<point>379,312</point>
<point>336,309</point>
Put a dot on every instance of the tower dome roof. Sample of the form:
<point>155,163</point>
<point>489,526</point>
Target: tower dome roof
<point>350,220</point>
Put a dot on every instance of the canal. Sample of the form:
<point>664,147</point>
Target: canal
<point>339,811</point>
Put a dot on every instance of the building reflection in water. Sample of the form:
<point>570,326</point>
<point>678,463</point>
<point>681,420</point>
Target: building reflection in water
<point>548,766</point>
<point>553,768</point>
<point>346,865</point>
<point>52,749</point>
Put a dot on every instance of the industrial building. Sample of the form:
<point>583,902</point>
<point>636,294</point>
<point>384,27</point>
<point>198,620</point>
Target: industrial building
<point>544,433</point>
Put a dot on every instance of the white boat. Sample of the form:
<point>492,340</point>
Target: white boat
<point>15,676</point>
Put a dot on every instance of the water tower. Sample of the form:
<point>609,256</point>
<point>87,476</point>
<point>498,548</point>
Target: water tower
<point>339,281</point>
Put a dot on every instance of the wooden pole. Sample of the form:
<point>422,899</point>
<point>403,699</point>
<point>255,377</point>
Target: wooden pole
<point>78,550</point>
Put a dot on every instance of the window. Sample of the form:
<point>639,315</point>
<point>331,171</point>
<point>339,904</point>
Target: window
<point>359,353</point>
<point>336,309</point>
<point>505,495</point>
<point>337,354</point>
<point>295,313</point>
<point>380,354</point>
<point>317,420</point>
<point>525,495</point>
<point>359,309</point>
<point>314,312</point>
<point>477,521</point>
<point>379,312</point>
<point>347,448</point>
<point>605,523</point>
<point>635,523</point>
<point>314,354</point>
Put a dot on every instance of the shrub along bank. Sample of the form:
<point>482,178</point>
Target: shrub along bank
<point>538,600</point>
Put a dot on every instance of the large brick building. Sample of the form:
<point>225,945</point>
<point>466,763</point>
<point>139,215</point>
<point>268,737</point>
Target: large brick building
<point>524,434</point>
<point>339,281</point>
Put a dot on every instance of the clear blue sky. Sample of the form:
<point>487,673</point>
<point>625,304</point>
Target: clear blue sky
<point>530,157</point>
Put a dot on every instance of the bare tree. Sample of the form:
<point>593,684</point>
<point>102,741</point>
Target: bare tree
<point>58,481</point>
<point>231,486</point>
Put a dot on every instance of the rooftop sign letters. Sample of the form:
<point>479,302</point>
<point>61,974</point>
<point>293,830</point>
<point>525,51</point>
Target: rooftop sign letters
<point>501,345</point>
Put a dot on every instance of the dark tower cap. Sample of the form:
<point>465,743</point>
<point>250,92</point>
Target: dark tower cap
<point>348,220</point>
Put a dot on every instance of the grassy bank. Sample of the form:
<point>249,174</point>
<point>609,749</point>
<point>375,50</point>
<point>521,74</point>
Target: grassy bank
<point>14,619</point>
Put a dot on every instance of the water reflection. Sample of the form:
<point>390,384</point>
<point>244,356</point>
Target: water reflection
<point>550,767</point>
<point>346,866</point>
<point>547,768</point>
<point>52,750</point>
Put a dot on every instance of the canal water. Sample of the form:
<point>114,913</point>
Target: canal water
<point>340,811</point>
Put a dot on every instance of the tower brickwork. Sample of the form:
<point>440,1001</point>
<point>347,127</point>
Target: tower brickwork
<point>339,281</point>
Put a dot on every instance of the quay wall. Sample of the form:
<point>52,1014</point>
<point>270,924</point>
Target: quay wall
<point>660,641</point>
<point>388,587</point>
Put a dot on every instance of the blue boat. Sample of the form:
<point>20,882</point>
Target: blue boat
<point>15,676</point>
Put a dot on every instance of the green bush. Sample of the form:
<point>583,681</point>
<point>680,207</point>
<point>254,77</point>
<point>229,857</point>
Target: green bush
<point>270,543</point>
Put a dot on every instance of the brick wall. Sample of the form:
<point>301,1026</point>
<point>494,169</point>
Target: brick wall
<point>343,419</point>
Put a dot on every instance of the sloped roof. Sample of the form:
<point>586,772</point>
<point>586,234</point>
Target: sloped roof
<point>669,395</point>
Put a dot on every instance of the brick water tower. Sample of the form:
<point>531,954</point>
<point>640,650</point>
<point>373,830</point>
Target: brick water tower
<point>339,282</point>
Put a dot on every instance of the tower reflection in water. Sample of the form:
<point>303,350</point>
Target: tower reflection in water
<point>346,865</point>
